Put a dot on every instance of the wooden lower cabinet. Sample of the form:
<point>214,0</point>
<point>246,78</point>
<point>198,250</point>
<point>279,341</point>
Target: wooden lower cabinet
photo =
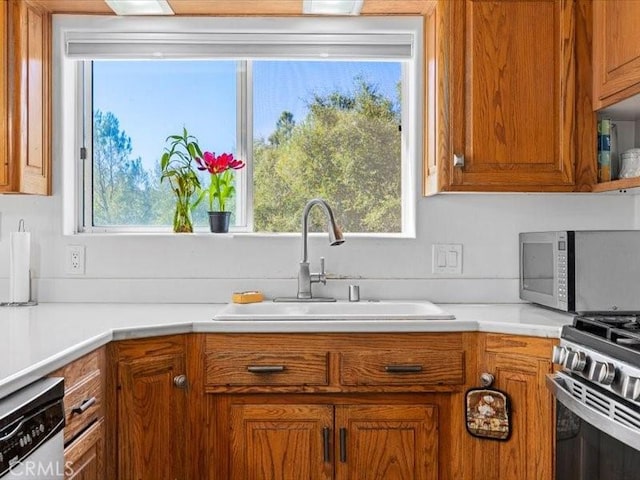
<point>151,410</point>
<point>280,442</point>
<point>332,441</point>
<point>519,365</point>
<point>84,459</point>
<point>84,429</point>
<point>387,442</point>
<point>357,418</point>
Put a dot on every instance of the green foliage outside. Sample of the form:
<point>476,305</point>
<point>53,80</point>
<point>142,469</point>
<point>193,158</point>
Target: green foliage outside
<point>346,150</point>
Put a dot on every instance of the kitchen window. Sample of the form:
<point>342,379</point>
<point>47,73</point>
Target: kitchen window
<point>331,111</point>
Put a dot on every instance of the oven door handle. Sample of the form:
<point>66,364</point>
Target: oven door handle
<point>602,422</point>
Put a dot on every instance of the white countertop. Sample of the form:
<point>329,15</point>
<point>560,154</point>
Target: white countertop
<point>34,341</point>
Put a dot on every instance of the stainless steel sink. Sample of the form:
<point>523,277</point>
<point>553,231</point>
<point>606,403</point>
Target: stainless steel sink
<point>336,311</point>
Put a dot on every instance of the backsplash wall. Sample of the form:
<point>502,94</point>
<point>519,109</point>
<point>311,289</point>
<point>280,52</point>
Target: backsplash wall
<point>208,268</point>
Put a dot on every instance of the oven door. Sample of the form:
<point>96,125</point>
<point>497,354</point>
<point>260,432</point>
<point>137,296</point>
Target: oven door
<point>597,435</point>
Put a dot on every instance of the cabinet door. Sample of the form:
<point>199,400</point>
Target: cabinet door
<point>528,454</point>
<point>4,93</point>
<point>281,442</point>
<point>512,95</point>
<point>616,50</point>
<point>84,458</point>
<point>29,101</point>
<point>151,419</point>
<point>386,442</point>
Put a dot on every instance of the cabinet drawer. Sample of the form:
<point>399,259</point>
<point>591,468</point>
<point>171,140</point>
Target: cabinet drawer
<point>78,371</point>
<point>401,368</point>
<point>84,458</point>
<point>82,405</point>
<point>268,368</point>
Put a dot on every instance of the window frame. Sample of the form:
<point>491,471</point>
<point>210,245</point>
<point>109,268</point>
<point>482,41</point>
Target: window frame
<point>77,200</point>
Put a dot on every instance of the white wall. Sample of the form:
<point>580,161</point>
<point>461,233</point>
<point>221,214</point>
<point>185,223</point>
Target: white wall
<point>207,268</point>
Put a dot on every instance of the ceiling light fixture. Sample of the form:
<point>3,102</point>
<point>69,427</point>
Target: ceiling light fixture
<point>332,7</point>
<point>140,7</point>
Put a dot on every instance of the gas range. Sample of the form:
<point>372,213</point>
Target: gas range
<point>604,350</point>
<point>597,392</point>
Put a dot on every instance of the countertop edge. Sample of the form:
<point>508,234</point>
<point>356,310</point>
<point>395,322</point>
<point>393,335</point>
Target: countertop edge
<point>49,364</point>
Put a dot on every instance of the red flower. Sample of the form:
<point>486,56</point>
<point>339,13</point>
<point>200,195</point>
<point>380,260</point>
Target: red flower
<point>219,164</point>
<point>221,186</point>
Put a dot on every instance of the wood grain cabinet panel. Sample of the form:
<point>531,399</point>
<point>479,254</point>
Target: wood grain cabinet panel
<point>28,102</point>
<point>4,93</point>
<point>281,442</point>
<point>616,51</point>
<point>84,387</point>
<point>152,418</point>
<point>266,368</point>
<point>84,459</point>
<point>341,442</point>
<point>505,96</point>
<point>387,442</point>
<point>528,454</point>
<point>401,368</point>
<point>83,405</point>
<point>84,430</point>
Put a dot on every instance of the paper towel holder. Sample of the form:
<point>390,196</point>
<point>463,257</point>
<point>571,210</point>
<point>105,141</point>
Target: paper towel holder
<point>31,302</point>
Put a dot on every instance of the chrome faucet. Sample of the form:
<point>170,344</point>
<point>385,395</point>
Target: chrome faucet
<point>305,278</point>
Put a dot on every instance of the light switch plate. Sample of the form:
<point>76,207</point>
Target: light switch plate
<point>447,258</point>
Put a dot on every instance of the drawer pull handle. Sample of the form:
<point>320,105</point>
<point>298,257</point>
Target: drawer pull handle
<point>84,405</point>
<point>343,445</point>
<point>265,368</point>
<point>403,368</point>
<point>326,432</point>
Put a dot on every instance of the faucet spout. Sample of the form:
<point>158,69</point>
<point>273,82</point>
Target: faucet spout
<point>335,234</point>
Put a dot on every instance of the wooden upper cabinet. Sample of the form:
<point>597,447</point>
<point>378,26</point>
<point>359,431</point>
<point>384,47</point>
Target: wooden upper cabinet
<point>4,93</point>
<point>26,99</point>
<point>504,95</point>
<point>616,51</point>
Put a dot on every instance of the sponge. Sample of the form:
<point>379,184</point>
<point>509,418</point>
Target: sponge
<point>247,297</point>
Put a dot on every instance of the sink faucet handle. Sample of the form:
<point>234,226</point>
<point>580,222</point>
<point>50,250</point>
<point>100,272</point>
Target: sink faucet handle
<point>323,273</point>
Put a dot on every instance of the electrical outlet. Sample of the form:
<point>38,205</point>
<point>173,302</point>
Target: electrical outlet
<point>447,258</point>
<point>75,259</point>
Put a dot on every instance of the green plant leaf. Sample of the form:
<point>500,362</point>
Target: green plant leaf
<point>198,200</point>
<point>198,151</point>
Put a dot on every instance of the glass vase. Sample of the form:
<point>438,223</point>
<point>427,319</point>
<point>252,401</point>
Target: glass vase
<point>182,222</point>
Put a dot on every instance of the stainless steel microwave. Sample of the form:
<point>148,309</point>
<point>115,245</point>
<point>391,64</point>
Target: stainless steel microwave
<point>582,271</point>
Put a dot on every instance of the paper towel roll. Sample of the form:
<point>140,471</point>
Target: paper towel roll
<point>19,266</point>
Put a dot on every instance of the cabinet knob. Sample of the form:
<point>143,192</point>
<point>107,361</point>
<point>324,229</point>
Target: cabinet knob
<point>486,379</point>
<point>458,160</point>
<point>180,381</point>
